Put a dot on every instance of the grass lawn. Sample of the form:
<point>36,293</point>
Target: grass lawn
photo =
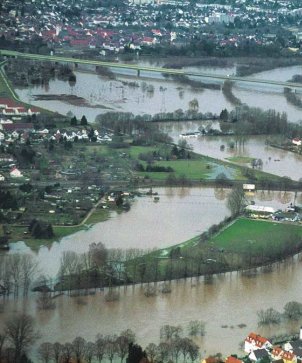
<point>247,234</point>
<point>100,215</point>
<point>192,169</point>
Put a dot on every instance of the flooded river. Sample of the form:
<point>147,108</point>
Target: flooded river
<point>181,213</point>
<point>275,161</point>
<point>156,94</point>
<point>228,301</point>
<point>231,299</point>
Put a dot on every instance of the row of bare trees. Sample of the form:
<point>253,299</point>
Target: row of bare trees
<point>17,272</point>
<point>108,347</point>
<point>172,347</point>
<point>20,334</point>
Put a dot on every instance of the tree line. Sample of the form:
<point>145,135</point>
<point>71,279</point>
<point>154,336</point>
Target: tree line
<point>20,334</point>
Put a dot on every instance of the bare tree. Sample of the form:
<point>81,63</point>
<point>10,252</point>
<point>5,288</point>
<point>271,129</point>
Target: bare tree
<point>152,352</point>
<point>168,332</point>
<point>45,352</point>
<point>13,265</point>
<point>196,328</point>
<point>70,265</point>
<point>5,275</point>
<point>268,316</point>
<point>187,348</point>
<point>123,342</point>
<point>100,347</point>
<point>89,352</point>
<point>176,348</point>
<point>45,301</point>
<point>99,254</point>
<point>57,351</point>
<point>163,351</point>
<point>110,347</point>
<point>28,270</point>
<point>67,352</point>
<point>2,342</point>
<point>293,310</point>
<point>78,348</point>
<point>21,334</point>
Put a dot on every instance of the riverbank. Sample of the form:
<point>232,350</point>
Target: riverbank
<point>241,244</point>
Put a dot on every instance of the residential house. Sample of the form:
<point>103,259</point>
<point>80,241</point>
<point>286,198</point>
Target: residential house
<point>211,359</point>
<point>254,341</point>
<point>296,141</point>
<point>15,173</point>
<point>232,359</point>
<point>293,346</point>
<point>9,128</point>
<point>289,357</point>
<point>258,354</point>
<point>276,353</point>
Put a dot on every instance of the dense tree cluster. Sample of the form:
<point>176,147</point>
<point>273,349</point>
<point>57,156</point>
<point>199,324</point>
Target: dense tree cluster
<point>40,229</point>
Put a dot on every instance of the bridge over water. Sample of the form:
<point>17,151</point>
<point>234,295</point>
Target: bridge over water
<point>139,68</point>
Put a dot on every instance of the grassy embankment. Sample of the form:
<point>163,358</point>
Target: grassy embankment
<point>242,245</point>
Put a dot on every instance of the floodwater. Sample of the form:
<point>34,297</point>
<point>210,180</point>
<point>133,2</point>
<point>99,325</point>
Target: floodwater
<point>275,161</point>
<point>152,94</point>
<point>229,300</point>
<point>181,213</point>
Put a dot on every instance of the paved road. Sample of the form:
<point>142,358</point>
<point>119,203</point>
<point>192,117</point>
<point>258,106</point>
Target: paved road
<point>139,68</point>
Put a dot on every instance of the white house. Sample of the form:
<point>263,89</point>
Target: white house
<point>296,141</point>
<point>254,341</point>
<point>1,178</point>
<point>15,173</point>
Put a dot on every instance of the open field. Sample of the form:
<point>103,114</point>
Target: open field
<point>198,167</point>
<point>241,245</point>
<point>247,234</point>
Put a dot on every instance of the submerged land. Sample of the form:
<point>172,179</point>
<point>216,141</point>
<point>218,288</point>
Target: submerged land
<point>62,174</point>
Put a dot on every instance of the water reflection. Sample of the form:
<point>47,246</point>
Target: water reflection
<point>228,303</point>
<point>275,161</point>
<point>158,95</point>
<point>180,214</point>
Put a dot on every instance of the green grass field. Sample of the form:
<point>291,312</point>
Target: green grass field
<point>247,234</point>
